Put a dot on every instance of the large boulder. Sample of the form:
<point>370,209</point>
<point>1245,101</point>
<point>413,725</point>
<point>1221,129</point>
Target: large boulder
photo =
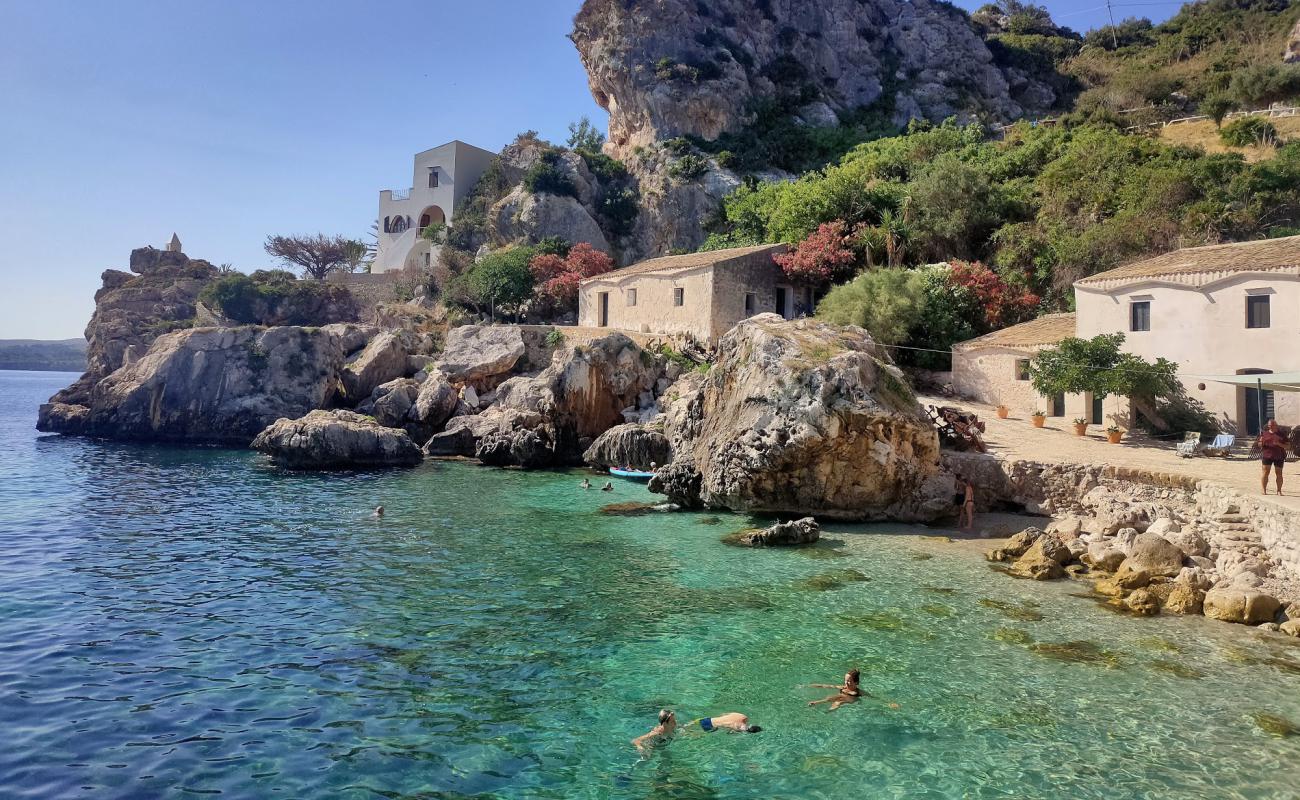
<point>336,439</point>
<point>390,402</point>
<point>631,445</point>
<point>1015,546</point>
<point>804,417</point>
<point>528,217</point>
<point>435,403</point>
<point>782,534</point>
<point>1246,606</point>
<point>383,359</point>
<point>1044,560</point>
<point>475,353</point>
<point>1154,555</point>
<point>215,385</point>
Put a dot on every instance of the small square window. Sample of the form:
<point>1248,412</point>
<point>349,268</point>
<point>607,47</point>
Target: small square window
<point>1022,369</point>
<point>433,179</point>
<point>631,297</point>
<point>1257,311</point>
<point>1140,315</point>
<point>751,303</point>
<point>679,296</point>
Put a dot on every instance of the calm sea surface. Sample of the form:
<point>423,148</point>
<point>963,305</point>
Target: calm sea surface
<point>185,622</point>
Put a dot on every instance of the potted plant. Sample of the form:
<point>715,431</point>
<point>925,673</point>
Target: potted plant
<point>1080,426</point>
<point>1114,433</point>
<point>1039,418</point>
<point>1003,412</point>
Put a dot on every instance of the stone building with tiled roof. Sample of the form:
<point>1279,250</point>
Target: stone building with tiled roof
<point>695,294</point>
<point>1224,309</point>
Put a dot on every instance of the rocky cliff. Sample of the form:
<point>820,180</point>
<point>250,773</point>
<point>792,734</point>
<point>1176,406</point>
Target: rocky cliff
<point>665,68</point>
<point>803,417</point>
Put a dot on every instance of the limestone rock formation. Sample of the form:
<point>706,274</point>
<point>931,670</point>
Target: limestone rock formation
<point>803,417</point>
<point>782,534</point>
<point>665,68</point>
<point>1292,53</point>
<point>476,353</point>
<point>383,359</point>
<point>1015,546</point>
<point>527,217</point>
<point>211,385</point>
<point>434,405</point>
<point>391,402</point>
<point>336,439</point>
<point>1240,605</point>
<point>631,445</point>
<point>1154,555</point>
<point>1044,560</point>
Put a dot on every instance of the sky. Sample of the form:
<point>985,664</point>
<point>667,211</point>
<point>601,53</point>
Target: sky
<point>227,121</point>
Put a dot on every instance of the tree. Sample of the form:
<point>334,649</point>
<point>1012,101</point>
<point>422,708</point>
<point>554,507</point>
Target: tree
<point>1001,303</point>
<point>317,256</point>
<point>557,277</point>
<point>884,302</point>
<point>357,256</point>
<point>1216,107</point>
<point>822,257</point>
<point>1097,365</point>
<point>501,280</point>
<point>584,136</point>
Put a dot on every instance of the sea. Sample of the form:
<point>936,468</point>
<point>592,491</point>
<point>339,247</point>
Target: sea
<point>180,622</point>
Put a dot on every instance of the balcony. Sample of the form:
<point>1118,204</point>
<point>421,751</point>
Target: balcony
<point>400,194</point>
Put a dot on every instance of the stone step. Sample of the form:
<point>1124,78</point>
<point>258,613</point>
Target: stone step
<point>1230,519</point>
<point>1231,529</point>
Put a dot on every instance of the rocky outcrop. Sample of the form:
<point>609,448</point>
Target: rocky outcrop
<point>383,359</point>
<point>1240,605</point>
<point>336,440</point>
<point>804,417</point>
<point>1292,53</point>
<point>782,534</point>
<point>435,403</point>
<point>1044,560</point>
<point>391,402</point>
<point>479,353</point>
<point>632,445</point>
<point>210,385</point>
<point>527,217</point>
<point>665,68</point>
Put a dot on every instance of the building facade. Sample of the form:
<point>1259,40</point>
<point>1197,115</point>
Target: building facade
<point>697,294</point>
<point>440,181</point>
<point>1218,310</point>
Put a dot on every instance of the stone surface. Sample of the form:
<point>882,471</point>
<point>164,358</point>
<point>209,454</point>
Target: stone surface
<point>1143,603</point>
<point>1184,599</point>
<point>1240,605</point>
<point>525,217</point>
<point>215,385</point>
<point>1044,560</point>
<point>1291,627</point>
<point>336,439</point>
<point>1015,546</point>
<point>1104,555</point>
<point>478,352</point>
<point>383,359</point>
<point>675,67</point>
<point>632,445</point>
<point>435,403</point>
<point>1154,555</point>
<point>390,402</point>
<point>802,417</point>
<point>782,534</point>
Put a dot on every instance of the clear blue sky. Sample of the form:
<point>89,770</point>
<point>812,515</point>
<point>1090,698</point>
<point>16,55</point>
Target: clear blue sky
<point>227,121</point>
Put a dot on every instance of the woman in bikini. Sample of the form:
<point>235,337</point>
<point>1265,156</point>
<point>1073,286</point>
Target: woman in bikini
<point>848,692</point>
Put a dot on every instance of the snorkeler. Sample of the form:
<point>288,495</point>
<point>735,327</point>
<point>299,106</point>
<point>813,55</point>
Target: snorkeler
<point>730,721</point>
<point>659,734</point>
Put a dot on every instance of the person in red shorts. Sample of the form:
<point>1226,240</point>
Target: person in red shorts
<point>1272,452</point>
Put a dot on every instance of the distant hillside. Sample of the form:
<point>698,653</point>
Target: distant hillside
<point>66,355</point>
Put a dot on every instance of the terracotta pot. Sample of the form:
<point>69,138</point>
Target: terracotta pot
<point>1003,412</point>
<point>1114,436</point>
<point>1038,421</point>
<point>1080,428</point>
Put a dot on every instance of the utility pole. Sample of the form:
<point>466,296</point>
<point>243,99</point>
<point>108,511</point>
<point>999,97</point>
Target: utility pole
<point>1114,38</point>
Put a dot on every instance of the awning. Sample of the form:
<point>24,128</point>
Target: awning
<point>1274,381</point>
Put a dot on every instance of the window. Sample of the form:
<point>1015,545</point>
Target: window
<point>679,296</point>
<point>1257,315</point>
<point>751,302</point>
<point>1022,369</point>
<point>1140,315</point>
<point>433,177</point>
<point>631,297</point>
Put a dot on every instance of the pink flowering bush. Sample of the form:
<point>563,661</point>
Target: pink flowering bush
<point>557,278</point>
<point>823,257</point>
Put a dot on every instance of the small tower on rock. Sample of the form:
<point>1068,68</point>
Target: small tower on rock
<point>174,246</point>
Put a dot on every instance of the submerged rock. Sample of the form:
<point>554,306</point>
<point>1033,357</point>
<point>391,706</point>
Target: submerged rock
<point>336,440</point>
<point>782,534</point>
<point>1275,725</point>
<point>1079,652</point>
<point>804,417</point>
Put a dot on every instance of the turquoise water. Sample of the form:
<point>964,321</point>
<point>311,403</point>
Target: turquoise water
<point>176,623</point>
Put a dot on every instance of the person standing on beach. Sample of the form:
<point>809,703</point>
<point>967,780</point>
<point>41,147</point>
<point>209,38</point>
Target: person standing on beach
<point>965,498</point>
<point>1272,453</point>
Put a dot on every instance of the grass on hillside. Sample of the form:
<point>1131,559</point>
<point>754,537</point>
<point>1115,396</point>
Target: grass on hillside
<point>1205,136</point>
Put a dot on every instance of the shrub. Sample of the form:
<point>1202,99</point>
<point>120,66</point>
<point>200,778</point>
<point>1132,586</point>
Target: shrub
<point>602,166</point>
<point>547,177</point>
<point>501,281</point>
<point>822,257</point>
<point>883,301</point>
<point>556,278</point>
<point>276,297</point>
<point>584,136</point>
<point>688,167</point>
<point>1248,131</point>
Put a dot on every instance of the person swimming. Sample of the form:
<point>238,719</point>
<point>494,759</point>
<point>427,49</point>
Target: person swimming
<point>379,512</point>
<point>848,692</point>
<point>586,483</point>
<point>659,734</point>
<point>730,721</point>
<point>608,487</point>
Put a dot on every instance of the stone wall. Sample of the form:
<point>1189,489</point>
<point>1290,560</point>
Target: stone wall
<point>1240,529</point>
<point>369,289</point>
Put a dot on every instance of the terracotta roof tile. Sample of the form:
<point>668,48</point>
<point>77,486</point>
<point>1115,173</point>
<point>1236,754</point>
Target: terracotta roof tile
<point>1264,255</point>
<point>1044,331</point>
<point>688,261</point>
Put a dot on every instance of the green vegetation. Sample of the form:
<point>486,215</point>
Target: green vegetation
<point>546,176</point>
<point>1247,131</point>
<point>274,297</point>
<point>1098,366</point>
<point>883,301</point>
<point>500,281</point>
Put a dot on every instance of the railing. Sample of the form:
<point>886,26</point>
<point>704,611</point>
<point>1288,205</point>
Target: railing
<point>400,194</point>
<point>1272,112</point>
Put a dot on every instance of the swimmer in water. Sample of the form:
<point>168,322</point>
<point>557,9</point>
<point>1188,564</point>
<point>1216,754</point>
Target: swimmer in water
<point>586,483</point>
<point>379,512</point>
<point>608,487</point>
<point>659,734</point>
<point>848,692</point>
<point>731,721</point>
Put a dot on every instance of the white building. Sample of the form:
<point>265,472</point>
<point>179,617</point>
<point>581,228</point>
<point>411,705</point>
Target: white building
<point>440,181</point>
<point>1228,309</point>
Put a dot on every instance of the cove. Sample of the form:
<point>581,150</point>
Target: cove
<point>191,621</point>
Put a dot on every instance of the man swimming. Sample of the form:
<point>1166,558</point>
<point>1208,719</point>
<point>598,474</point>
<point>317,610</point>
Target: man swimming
<point>379,512</point>
<point>730,721</point>
<point>586,483</point>
<point>659,734</point>
<point>608,487</point>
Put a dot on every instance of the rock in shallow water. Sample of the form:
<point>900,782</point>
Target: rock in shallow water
<point>336,440</point>
<point>1240,605</point>
<point>783,534</point>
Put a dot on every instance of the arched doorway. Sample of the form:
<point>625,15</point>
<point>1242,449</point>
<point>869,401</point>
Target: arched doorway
<point>432,215</point>
<point>1255,406</point>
